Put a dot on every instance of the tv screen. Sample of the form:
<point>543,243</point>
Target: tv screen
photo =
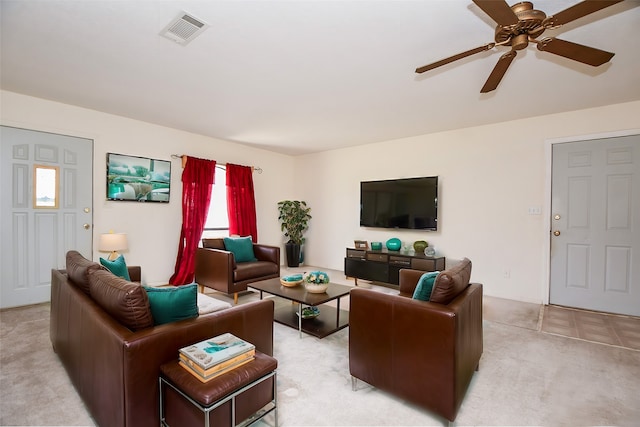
<point>138,179</point>
<point>410,203</point>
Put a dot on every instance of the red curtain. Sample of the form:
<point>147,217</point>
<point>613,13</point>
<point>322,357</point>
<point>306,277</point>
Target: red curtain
<point>241,204</point>
<point>197,179</point>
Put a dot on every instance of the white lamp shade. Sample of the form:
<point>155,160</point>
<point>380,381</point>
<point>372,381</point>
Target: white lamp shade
<point>113,242</point>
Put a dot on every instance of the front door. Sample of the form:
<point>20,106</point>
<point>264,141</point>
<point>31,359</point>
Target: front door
<point>595,225</point>
<point>45,209</point>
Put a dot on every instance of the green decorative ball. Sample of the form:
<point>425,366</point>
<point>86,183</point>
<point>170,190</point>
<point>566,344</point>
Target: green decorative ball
<point>394,244</point>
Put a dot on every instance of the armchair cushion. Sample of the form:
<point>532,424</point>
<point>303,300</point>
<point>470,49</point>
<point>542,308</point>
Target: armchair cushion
<point>170,304</point>
<point>241,247</point>
<point>118,267</point>
<point>451,282</point>
<point>425,286</point>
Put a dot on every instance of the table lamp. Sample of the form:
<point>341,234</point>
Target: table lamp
<point>113,242</point>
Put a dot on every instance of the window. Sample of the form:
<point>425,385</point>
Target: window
<point>217,224</point>
<point>46,181</point>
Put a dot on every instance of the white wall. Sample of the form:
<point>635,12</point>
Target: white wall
<point>153,229</point>
<point>489,177</point>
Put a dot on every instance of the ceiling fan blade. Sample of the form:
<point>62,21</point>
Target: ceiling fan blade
<point>498,10</point>
<point>454,58</point>
<point>498,71</point>
<point>578,11</point>
<point>577,52</point>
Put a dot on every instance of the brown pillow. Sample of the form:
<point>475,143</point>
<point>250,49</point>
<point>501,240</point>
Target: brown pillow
<point>451,282</point>
<point>127,302</point>
<point>78,268</point>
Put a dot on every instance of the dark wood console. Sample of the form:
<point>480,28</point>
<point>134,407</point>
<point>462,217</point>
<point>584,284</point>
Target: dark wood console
<point>384,266</point>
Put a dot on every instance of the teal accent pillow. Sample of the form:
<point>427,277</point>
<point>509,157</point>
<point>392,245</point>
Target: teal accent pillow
<point>118,267</point>
<point>242,248</point>
<point>425,286</point>
<point>170,304</point>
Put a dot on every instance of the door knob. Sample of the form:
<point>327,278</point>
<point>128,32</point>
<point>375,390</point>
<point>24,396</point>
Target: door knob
<point>556,233</point>
<point>86,226</point>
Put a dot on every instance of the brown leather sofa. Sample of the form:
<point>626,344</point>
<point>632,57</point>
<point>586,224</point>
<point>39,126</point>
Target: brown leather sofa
<point>114,368</point>
<point>424,352</point>
<point>216,268</point>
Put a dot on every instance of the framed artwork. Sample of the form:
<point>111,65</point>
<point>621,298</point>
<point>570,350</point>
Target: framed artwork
<point>361,244</point>
<point>138,179</point>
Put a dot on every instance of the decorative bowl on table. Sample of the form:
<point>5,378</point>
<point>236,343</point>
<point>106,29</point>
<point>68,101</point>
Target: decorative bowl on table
<point>316,282</point>
<point>309,312</point>
<point>291,280</point>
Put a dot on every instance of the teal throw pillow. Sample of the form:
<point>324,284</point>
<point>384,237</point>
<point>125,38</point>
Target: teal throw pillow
<point>242,248</point>
<point>169,304</point>
<point>118,267</point>
<point>425,286</point>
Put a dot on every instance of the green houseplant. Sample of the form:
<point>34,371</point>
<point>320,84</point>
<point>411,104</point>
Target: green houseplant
<point>294,221</point>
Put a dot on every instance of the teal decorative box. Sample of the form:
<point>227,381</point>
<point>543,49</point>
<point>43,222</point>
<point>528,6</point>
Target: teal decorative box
<point>376,246</point>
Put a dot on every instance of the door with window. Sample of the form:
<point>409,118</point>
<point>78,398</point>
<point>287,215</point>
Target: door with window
<point>45,209</point>
<point>595,220</point>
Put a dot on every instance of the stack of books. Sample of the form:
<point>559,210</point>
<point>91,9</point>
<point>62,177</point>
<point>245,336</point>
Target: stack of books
<point>215,356</point>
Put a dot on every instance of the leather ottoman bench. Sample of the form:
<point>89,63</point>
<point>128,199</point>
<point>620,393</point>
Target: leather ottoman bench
<point>246,393</point>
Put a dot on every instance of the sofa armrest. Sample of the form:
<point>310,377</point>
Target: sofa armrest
<point>214,268</point>
<point>135,273</point>
<point>267,253</point>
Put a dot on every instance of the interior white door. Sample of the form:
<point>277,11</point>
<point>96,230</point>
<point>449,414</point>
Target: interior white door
<point>595,225</point>
<point>39,227</point>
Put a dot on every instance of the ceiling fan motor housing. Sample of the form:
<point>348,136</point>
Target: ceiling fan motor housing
<point>529,26</point>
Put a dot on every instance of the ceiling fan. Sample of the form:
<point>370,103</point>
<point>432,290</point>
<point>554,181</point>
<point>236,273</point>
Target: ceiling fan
<point>521,24</point>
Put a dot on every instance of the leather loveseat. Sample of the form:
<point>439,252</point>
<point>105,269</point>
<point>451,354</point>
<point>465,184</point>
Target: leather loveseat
<point>115,368</point>
<point>422,351</point>
<point>216,267</point>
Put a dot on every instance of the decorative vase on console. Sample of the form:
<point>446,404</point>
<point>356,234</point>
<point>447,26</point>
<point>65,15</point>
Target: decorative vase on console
<point>316,282</point>
<point>430,251</point>
<point>419,246</point>
<point>394,244</point>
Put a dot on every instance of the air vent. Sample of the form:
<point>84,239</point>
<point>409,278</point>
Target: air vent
<point>183,29</point>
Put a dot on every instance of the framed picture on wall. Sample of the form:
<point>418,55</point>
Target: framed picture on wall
<point>138,179</point>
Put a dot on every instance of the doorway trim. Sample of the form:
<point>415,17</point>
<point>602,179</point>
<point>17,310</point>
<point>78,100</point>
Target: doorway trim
<point>548,154</point>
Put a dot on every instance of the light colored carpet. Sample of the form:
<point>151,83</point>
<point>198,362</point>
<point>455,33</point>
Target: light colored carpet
<point>526,378</point>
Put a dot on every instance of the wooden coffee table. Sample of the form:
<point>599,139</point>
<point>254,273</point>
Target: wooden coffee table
<point>330,319</point>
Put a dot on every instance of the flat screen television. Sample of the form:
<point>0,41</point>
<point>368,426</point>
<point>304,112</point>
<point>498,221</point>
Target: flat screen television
<point>410,203</point>
<point>138,179</point>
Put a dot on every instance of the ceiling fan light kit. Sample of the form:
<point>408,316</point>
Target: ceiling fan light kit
<point>521,24</point>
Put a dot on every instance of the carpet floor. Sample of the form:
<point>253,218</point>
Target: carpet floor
<point>526,377</point>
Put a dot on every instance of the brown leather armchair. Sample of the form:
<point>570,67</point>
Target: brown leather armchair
<point>216,268</point>
<point>424,352</point>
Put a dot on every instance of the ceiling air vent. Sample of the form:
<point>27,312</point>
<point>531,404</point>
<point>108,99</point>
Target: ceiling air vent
<point>183,29</point>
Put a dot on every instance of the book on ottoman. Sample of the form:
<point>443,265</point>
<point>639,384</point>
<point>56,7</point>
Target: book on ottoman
<point>215,356</point>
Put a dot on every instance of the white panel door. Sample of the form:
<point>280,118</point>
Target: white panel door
<point>38,228</point>
<point>595,220</point>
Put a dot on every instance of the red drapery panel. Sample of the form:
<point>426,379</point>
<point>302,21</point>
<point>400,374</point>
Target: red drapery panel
<point>197,179</point>
<point>241,204</point>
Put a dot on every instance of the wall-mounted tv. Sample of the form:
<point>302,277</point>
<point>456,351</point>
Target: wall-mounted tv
<point>138,179</point>
<point>410,203</point>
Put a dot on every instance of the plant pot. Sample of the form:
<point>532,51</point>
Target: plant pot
<point>316,288</point>
<point>293,254</point>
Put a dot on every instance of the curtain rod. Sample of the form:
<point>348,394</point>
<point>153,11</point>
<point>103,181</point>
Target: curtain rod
<point>184,159</point>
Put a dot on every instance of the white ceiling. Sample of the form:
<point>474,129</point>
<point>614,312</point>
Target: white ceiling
<point>306,76</point>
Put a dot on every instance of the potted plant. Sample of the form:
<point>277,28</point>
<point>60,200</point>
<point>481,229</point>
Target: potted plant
<point>294,218</point>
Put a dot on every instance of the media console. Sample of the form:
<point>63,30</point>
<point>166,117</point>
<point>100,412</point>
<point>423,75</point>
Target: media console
<point>384,266</point>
